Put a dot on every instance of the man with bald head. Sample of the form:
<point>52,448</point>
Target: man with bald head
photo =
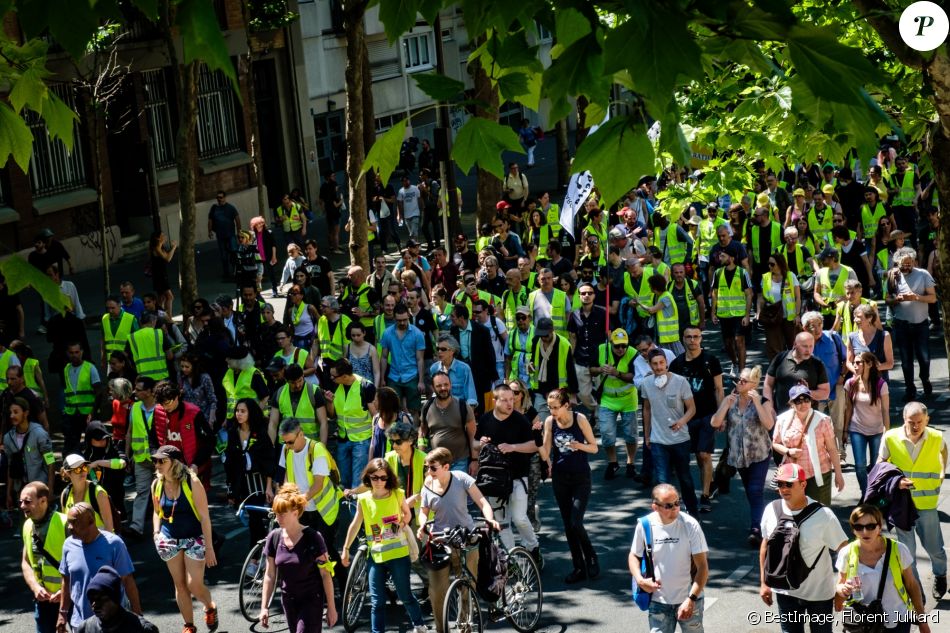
<point>797,366</point>
<point>359,300</point>
<point>88,549</point>
<point>44,532</point>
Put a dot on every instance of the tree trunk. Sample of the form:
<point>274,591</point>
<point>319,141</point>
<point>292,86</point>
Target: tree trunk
<point>581,132</point>
<point>187,159</point>
<point>939,151</point>
<point>355,140</point>
<point>488,187</point>
<point>251,100</point>
<point>369,113</point>
<point>563,154</point>
<point>97,139</point>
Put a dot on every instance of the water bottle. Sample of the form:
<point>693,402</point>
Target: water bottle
<point>221,443</point>
<point>857,595</point>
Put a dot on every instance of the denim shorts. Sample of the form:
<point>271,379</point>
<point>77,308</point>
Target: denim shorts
<point>168,548</point>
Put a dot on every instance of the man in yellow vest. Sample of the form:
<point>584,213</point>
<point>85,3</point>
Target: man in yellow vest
<point>292,219</point>
<point>921,452</point>
<point>308,464</point>
<point>117,327</point>
<point>331,333</point>
<point>618,397</point>
<point>359,298</point>
<point>242,380</point>
<point>904,193</point>
<point>732,305</point>
<point>830,285</point>
<point>149,349</point>
<point>551,365</point>
<point>352,403</point>
<point>44,533</point>
<point>300,400</point>
<point>549,302</point>
<point>765,238</point>
<point>82,389</point>
<point>144,416</point>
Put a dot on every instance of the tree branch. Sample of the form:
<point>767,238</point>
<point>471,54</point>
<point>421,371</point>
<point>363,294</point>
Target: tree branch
<point>878,14</point>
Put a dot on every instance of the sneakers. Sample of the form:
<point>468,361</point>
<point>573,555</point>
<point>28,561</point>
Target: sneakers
<point>211,619</point>
<point>576,576</point>
<point>940,587</point>
<point>928,388</point>
<point>41,329</point>
<point>705,504</point>
<point>189,628</point>
<point>536,555</point>
<point>612,469</point>
<point>422,628</point>
<point>593,568</point>
<point>755,537</point>
<point>631,471</point>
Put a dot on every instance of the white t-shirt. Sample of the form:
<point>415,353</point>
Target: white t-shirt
<point>774,290</point>
<point>409,196</point>
<point>496,341</point>
<point>320,467</point>
<point>672,557</point>
<point>821,532</point>
<point>894,607</point>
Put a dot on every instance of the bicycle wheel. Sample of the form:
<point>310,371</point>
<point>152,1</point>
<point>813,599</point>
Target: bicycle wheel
<point>523,598</point>
<point>461,612</point>
<point>356,591</point>
<point>251,586</point>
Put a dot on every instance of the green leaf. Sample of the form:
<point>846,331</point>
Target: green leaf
<point>439,87</point>
<point>571,25</point>
<point>60,120</point>
<point>672,139</point>
<point>831,69</point>
<point>576,70</point>
<point>20,274</point>
<point>15,138</point>
<point>481,142</point>
<point>617,155</point>
<point>531,97</point>
<point>756,23</point>
<point>512,85</point>
<point>202,38</point>
<point>383,156</point>
<point>513,51</point>
<point>594,114</point>
<point>29,90</point>
<point>398,16</point>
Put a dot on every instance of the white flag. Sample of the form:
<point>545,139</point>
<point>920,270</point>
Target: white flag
<point>578,190</point>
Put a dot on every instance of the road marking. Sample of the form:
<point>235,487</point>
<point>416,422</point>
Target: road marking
<point>235,532</point>
<point>708,603</point>
<point>739,573</point>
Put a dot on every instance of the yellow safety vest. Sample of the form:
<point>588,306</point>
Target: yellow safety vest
<point>354,421</point>
<point>640,293</point>
<point>418,470</point>
<point>925,471</point>
<point>70,501</point>
<point>148,354</point>
<point>667,328</point>
<point>159,485</point>
<point>821,229</point>
<point>835,292</point>
<point>138,434</point>
<point>241,389</point>
<point>707,235</point>
<point>788,294</point>
<point>362,302</point>
<point>303,412</point>
<point>775,238</point>
<point>553,216</point>
<point>802,272</point>
<point>847,321</point>
<point>601,234</point>
<point>689,289</point>
<point>43,571</point>
<point>675,249</point>
<point>289,218</point>
<point>514,349</point>
<point>115,341</point>
<point>730,300</point>
<point>558,308</point>
<point>510,302</point>
<point>869,220</point>
<point>328,497</point>
<point>299,357</point>
<point>618,395</point>
<point>893,569</point>
<point>29,375</point>
<point>381,522</point>
<point>331,347</point>
<point>80,396</point>
<point>563,347</point>
<point>906,191</point>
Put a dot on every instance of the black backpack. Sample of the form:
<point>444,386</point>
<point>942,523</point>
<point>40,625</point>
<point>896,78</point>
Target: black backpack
<point>494,473</point>
<point>492,569</point>
<point>784,566</point>
<point>94,489</point>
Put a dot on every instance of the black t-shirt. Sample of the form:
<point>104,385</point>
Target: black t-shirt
<point>9,316</point>
<point>788,373</point>
<point>319,270</point>
<point>700,373</point>
<point>515,429</point>
<point>591,331</point>
<point>563,266</point>
<point>426,323</point>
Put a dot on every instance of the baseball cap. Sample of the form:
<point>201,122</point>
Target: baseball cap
<point>762,200</point>
<point>798,390</point>
<point>74,461</point>
<point>617,234</point>
<point>828,253</point>
<point>828,188</point>
<point>412,243</point>
<point>523,310</point>
<point>619,336</point>
<point>544,327</point>
<point>712,206</point>
<point>798,192</point>
<point>502,204</point>
<point>790,472</point>
<point>461,238</point>
<point>276,364</point>
<point>169,452</point>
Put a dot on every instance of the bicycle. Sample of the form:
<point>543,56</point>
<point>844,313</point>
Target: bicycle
<point>251,586</point>
<point>521,601</point>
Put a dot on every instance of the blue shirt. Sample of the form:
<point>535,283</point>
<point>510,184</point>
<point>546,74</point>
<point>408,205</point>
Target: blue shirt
<point>136,308</point>
<point>463,383</point>
<point>81,562</point>
<point>830,351</point>
<point>402,360</point>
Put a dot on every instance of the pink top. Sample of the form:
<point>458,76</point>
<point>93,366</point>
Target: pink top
<point>866,419</point>
<point>789,431</point>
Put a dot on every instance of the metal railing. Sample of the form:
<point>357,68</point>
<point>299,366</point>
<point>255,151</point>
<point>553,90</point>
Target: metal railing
<point>217,115</point>
<point>54,169</point>
<point>158,115</point>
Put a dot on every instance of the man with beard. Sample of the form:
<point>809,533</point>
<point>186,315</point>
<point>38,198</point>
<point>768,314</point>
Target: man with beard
<point>449,423</point>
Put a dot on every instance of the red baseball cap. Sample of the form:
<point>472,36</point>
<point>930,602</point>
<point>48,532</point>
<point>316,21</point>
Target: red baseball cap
<point>790,472</point>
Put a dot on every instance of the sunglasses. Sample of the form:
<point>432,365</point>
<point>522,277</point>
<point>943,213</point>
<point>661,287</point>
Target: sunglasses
<point>785,484</point>
<point>801,399</point>
<point>78,470</point>
<point>517,392</point>
<point>666,506</point>
<point>161,460</point>
<point>433,468</point>
<point>864,527</point>
<point>477,312</point>
<point>443,349</point>
<point>586,293</point>
<point>521,317</point>
<point>379,477</point>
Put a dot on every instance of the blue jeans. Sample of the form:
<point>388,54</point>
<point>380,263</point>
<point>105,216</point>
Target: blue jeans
<point>607,425</point>
<point>821,613</point>
<point>753,479</point>
<point>662,618</point>
<point>928,529</point>
<point>398,568</point>
<point>668,458</point>
<point>911,339</point>
<point>351,459</point>
<point>460,464</point>
<point>859,446</point>
<point>45,614</point>
<point>227,244</point>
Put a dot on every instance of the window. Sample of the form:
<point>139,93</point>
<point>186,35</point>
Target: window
<point>53,169</point>
<point>158,115</point>
<point>384,123</point>
<point>217,116</point>
<point>415,52</point>
<point>511,114</point>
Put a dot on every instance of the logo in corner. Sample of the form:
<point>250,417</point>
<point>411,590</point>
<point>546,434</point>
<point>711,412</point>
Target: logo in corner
<point>924,26</point>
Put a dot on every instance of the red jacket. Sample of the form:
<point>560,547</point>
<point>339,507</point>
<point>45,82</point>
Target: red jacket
<point>178,428</point>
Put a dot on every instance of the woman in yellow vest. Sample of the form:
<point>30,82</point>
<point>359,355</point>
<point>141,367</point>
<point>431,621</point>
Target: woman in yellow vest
<point>383,513</point>
<point>666,315</point>
<point>877,567</point>
<point>779,286</point>
<point>79,487</point>
<point>182,527</point>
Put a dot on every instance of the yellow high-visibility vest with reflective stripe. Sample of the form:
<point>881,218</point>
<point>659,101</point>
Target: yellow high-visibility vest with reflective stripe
<point>640,292</point>
<point>353,420</point>
<point>836,291</point>
<point>906,191</point>
<point>381,522</point>
<point>328,498</point>
<point>730,299</point>
<point>331,347</point>
<point>236,390</point>
<point>869,220</point>
<point>847,317</point>
<point>558,308</point>
<point>138,434</point>
<point>667,328</point>
<point>115,341</point>
<point>925,471</point>
<point>79,396</point>
<point>43,571</point>
<point>29,375</point>
<point>821,229</point>
<point>5,359</point>
<point>289,218</point>
<point>788,294</point>
<point>562,349</point>
<point>148,354</point>
<point>775,239</point>
<point>894,570</point>
<point>303,412</point>
<point>689,290</point>
<point>618,395</point>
